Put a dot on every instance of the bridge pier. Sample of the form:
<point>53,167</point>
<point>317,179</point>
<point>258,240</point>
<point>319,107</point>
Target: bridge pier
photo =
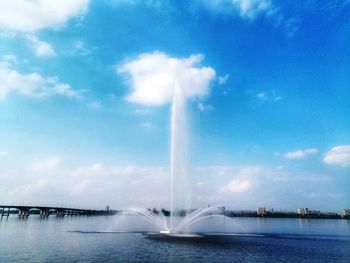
<point>71,212</point>
<point>44,213</point>
<point>60,212</point>
<point>4,212</point>
<point>23,213</point>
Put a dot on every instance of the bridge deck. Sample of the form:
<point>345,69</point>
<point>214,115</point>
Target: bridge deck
<point>24,210</point>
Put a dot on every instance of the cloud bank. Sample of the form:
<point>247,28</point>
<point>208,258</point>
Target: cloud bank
<point>24,15</point>
<point>236,186</point>
<point>55,181</point>
<point>338,155</point>
<point>153,77</point>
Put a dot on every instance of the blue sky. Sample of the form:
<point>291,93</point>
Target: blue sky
<point>271,128</point>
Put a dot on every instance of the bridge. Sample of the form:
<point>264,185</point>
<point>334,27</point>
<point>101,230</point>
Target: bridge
<point>45,211</point>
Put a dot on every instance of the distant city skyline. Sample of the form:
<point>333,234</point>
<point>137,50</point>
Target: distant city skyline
<point>84,102</point>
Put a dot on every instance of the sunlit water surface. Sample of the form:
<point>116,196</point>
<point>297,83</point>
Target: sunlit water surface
<point>282,240</point>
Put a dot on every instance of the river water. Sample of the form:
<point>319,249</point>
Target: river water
<point>93,239</point>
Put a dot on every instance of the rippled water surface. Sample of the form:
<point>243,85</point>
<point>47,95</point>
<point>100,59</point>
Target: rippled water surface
<point>92,239</point>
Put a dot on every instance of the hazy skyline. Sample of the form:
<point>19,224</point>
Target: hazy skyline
<point>85,91</point>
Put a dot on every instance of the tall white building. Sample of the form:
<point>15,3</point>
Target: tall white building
<point>303,211</point>
<point>345,212</point>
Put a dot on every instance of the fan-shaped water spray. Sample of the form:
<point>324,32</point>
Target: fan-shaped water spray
<point>158,221</point>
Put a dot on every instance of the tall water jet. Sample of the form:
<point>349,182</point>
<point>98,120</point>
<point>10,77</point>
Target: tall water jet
<point>179,186</point>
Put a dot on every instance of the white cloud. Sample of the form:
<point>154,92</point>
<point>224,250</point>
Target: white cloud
<point>311,151</point>
<point>339,155</point>
<point>262,96</point>
<point>155,4</point>
<point>266,96</point>
<point>299,154</point>
<point>24,15</point>
<point>237,186</point>
<point>204,108</point>
<point>31,84</point>
<point>252,9</point>
<point>38,186</point>
<point>240,178</point>
<point>295,155</point>
<point>96,169</point>
<point>41,48</point>
<point>247,9</point>
<point>46,165</point>
<point>78,48</point>
<point>291,27</point>
<point>153,77</point>
<point>223,79</point>
<point>3,155</point>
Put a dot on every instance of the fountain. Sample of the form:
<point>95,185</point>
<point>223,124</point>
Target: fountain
<point>202,223</point>
<point>179,190</point>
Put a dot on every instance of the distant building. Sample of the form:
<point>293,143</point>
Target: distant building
<point>261,211</point>
<point>307,211</point>
<point>303,211</point>
<point>345,212</point>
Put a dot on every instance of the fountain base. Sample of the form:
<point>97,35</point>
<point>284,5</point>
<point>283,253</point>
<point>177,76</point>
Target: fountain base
<point>165,234</point>
<point>198,237</point>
